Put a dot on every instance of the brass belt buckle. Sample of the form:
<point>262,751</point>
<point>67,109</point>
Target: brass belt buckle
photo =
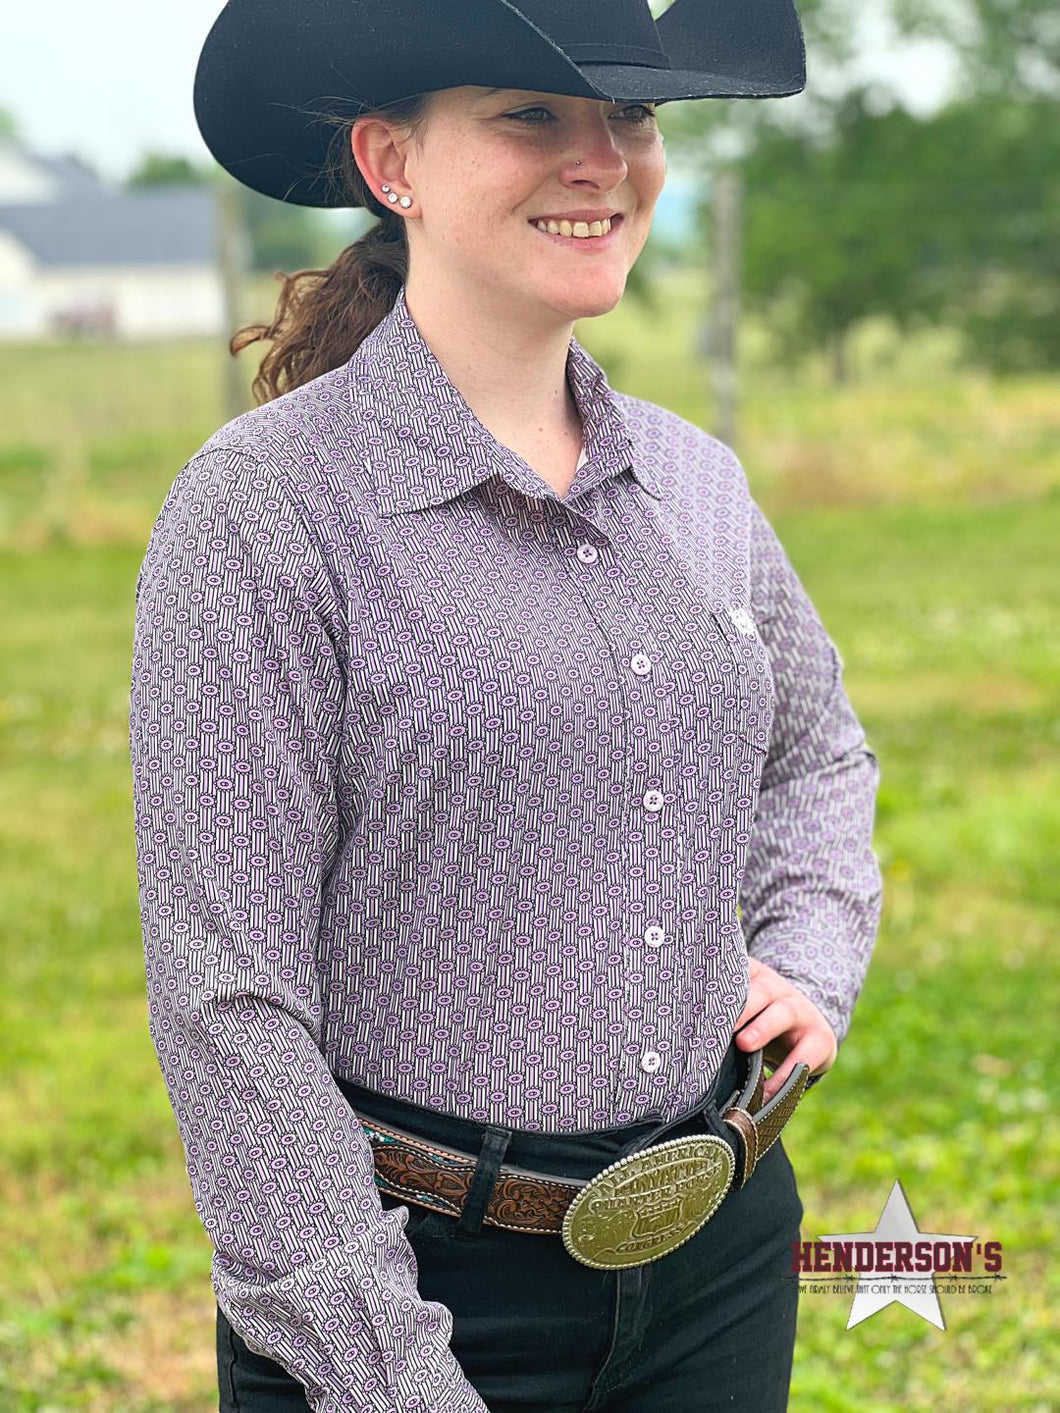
<point>649,1203</point>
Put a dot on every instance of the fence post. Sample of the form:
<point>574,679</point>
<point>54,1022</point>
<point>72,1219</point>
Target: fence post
<point>726,313</point>
<point>232,261</point>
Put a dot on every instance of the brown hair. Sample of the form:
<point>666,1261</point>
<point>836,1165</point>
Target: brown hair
<point>322,316</point>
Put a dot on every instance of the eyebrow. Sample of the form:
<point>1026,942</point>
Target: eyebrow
<point>489,92</point>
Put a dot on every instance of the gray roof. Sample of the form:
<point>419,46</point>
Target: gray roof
<point>73,177</point>
<point>156,226</point>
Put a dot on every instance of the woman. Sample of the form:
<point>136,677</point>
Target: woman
<point>460,679</point>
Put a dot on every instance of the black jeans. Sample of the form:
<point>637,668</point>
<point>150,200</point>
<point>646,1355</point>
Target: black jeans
<point>709,1326</point>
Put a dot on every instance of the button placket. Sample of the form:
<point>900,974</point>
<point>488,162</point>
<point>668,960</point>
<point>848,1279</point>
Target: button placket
<point>654,938</point>
<point>649,938</point>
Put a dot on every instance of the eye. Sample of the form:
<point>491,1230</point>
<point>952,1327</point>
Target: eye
<point>643,109</point>
<point>642,114</point>
<point>525,115</point>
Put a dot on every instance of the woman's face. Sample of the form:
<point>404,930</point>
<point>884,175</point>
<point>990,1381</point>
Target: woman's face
<point>490,163</point>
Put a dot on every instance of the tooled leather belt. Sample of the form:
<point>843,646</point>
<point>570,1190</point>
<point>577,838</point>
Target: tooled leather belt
<point>634,1211</point>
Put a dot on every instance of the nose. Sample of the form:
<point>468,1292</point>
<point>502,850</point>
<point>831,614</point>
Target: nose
<point>599,148</point>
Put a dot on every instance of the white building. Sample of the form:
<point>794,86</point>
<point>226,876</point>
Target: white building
<point>78,256</point>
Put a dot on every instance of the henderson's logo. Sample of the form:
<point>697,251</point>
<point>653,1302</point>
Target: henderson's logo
<point>897,1263</point>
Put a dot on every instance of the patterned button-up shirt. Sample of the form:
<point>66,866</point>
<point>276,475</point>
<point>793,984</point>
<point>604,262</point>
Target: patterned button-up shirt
<point>471,793</point>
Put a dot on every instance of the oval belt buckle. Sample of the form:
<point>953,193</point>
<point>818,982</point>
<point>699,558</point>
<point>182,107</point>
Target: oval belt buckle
<point>649,1203</point>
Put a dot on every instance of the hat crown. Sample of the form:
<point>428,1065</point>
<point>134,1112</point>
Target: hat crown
<point>581,30</point>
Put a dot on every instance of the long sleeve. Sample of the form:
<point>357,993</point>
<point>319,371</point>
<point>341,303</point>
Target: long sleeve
<point>812,888</point>
<point>236,718</point>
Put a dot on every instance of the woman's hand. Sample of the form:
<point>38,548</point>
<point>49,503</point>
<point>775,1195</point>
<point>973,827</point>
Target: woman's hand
<point>782,1014</point>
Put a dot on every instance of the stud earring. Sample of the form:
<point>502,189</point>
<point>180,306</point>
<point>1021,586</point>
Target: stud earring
<point>392,196</point>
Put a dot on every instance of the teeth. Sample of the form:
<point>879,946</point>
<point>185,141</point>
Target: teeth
<point>580,229</point>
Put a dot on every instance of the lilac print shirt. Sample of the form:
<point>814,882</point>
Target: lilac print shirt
<point>469,793</point>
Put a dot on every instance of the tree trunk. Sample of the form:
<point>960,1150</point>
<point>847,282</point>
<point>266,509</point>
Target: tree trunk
<point>727,198</point>
<point>840,368</point>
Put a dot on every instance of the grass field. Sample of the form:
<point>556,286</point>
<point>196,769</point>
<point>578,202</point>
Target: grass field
<point>921,505</point>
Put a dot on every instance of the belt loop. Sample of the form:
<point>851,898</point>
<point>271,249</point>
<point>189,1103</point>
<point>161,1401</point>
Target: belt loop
<point>494,1146</point>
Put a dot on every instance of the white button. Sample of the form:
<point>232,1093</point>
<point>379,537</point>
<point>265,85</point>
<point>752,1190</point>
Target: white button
<point>588,554</point>
<point>650,1061</point>
<point>640,663</point>
<point>743,620</point>
<point>653,799</point>
<point>655,936</point>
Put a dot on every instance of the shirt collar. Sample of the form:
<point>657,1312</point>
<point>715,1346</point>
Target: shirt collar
<point>425,445</point>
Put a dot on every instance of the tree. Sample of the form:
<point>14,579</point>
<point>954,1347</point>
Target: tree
<point>829,232</point>
<point>949,218</point>
<point>166,169</point>
<point>1007,303</point>
<point>1005,46</point>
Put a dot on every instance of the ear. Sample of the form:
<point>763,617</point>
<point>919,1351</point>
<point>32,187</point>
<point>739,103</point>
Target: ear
<point>378,151</point>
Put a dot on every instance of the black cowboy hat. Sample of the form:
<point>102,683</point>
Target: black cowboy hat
<point>271,70</point>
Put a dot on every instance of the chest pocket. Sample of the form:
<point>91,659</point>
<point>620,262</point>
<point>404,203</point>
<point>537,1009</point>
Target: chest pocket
<point>750,701</point>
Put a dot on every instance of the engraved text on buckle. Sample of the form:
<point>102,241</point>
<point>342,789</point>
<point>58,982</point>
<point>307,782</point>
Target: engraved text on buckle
<point>647,1204</point>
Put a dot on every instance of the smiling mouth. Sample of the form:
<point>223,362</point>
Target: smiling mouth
<point>591,234</point>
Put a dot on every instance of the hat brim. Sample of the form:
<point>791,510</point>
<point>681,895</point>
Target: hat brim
<point>278,83</point>
<point>627,82</point>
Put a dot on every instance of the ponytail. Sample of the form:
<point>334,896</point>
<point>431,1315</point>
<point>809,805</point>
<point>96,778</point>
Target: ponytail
<point>322,316</point>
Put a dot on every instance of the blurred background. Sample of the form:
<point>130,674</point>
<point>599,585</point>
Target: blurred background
<point>859,289</point>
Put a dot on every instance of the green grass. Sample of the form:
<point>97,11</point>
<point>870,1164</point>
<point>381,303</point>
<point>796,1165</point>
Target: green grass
<point>923,515</point>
